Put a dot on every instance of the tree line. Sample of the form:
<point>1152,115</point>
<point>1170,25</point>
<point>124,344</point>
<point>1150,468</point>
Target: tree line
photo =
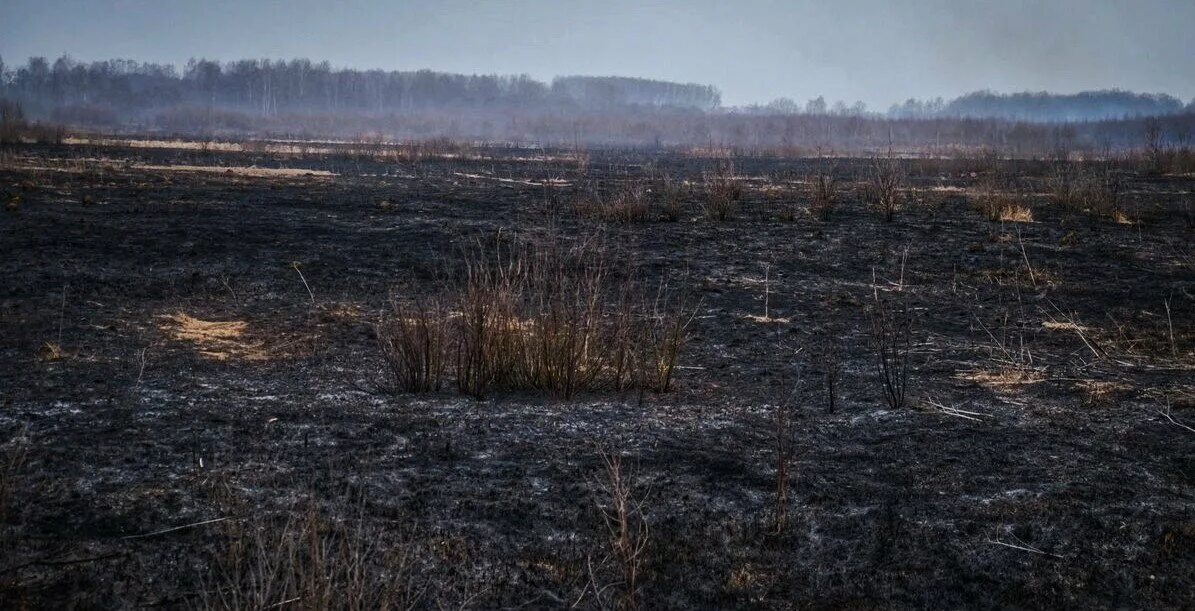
<point>271,88</point>
<point>1044,107</point>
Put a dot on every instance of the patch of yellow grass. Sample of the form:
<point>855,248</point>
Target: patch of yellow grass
<point>53,351</point>
<point>217,340</point>
<point>1016,213</point>
<point>1100,392</point>
<point>1120,218</point>
<point>767,319</point>
<point>1004,377</point>
<point>342,312</point>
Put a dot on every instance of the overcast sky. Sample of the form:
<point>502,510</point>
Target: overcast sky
<point>753,50</point>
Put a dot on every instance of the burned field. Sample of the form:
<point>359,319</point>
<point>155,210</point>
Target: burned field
<point>250,378</point>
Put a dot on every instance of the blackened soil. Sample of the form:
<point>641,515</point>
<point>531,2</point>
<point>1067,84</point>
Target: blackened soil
<point>1061,483</point>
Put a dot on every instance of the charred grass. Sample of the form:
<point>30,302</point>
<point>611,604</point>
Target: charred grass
<point>544,380</point>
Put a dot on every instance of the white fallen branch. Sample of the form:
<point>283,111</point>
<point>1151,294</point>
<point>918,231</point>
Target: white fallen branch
<point>956,412</point>
<point>1021,545</point>
<point>170,530</point>
<point>1023,548</point>
<point>1166,414</point>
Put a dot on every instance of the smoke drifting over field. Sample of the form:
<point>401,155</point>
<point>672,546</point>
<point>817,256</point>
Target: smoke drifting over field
<point>750,74</point>
<point>870,50</point>
<point>301,98</point>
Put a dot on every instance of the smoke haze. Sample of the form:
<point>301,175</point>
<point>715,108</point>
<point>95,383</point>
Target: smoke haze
<point>873,51</point>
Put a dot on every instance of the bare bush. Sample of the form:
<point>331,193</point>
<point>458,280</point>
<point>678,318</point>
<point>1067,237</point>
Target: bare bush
<point>830,357</point>
<point>722,194</point>
<point>563,316</point>
<point>1104,195</point>
<point>309,562</point>
<point>884,187</point>
<point>1063,186</point>
<point>1098,192</point>
<point>487,323</point>
<point>891,335</point>
<point>824,195</point>
<point>414,344</point>
<point>622,513</point>
<point>662,338</point>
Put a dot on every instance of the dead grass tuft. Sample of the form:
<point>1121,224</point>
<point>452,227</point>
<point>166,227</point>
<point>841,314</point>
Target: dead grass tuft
<point>545,315</point>
<point>1003,378</point>
<point>230,340</point>
<point>218,340</point>
<point>722,193</point>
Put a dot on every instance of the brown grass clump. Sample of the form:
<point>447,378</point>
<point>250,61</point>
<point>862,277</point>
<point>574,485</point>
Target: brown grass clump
<point>628,204</point>
<point>1101,393</point>
<point>219,340</point>
<point>1005,378</point>
<point>1000,202</point>
<point>542,315</point>
<point>671,194</point>
<point>226,340</point>
<point>1094,192</point>
<point>722,194</point>
<point>1016,214</point>
<point>1063,187</point>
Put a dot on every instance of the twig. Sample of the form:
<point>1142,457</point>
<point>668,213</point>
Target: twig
<point>62,314</point>
<point>1166,415</point>
<point>170,530</point>
<point>1170,327</point>
<point>1078,329</point>
<point>1024,255</point>
<point>954,411</point>
<point>224,281</point>
<point>1023,548</point>
<point>295,264</point>
<point>767,293</point>
<point>141,372</point>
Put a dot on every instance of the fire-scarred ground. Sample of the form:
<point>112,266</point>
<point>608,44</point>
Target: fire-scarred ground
<point>186,340</point>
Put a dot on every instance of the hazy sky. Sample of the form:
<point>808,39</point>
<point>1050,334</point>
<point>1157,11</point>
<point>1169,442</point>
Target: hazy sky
<point>754,50</point>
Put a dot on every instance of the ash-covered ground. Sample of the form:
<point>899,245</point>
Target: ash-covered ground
<point>188,369</point>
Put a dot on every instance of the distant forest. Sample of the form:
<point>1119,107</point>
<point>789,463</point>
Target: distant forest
<point>303,99</point>
<point>270,88</point>
<point>1046,107</point>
